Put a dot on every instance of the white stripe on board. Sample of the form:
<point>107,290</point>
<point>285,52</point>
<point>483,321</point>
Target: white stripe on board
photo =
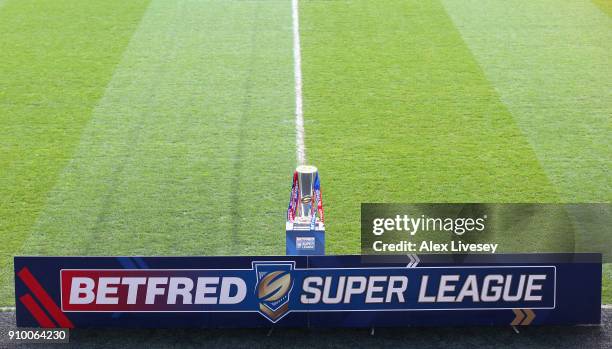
<point>297,68</point>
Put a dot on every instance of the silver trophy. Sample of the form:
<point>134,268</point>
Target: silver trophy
<point>305,223</point>
<point>305,208</point>
<point>306,178</point>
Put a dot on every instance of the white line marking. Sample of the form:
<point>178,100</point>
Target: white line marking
<point>297,68</point>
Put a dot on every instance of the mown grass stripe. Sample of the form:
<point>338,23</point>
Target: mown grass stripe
<point>57,58</point>
<point>190,150</point>
<point>550,63</point>
<point>398,110</point>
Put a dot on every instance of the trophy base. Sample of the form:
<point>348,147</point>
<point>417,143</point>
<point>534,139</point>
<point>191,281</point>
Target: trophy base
<point>301,241</point>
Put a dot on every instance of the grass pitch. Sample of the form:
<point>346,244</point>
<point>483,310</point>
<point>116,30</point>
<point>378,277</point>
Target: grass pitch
<point>167,128</point>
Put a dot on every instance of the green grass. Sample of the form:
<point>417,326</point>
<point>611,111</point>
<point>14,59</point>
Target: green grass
<point>186,153</point>
<point>421,121</point>
<point>434,104</point>
<point>549,61</point>
<point>606,293</point>
<point>167,128</point>
<point>604,5</point>
<point>560,97</point>
<point>57,58</point>
<point>189,150</point>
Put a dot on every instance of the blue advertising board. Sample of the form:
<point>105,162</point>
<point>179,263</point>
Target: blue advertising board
<point>308,291</point>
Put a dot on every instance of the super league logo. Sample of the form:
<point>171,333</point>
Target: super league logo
<point>274,284</point>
